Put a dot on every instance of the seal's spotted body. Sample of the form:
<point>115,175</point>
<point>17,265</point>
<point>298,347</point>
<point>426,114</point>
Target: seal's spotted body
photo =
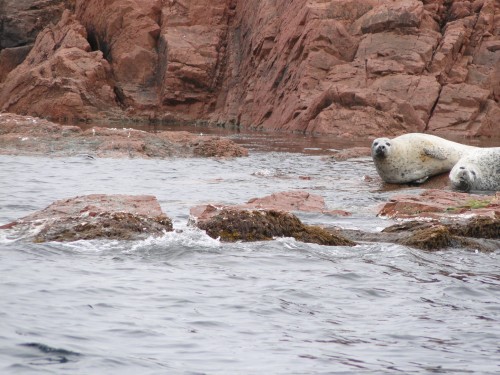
<point>478,170</point>
<point>414,157</point>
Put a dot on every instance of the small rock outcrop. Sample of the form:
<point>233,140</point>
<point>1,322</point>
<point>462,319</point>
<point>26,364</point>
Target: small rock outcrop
<point>231,225</point>
<point>21,135</point>
<point>96,216</point>
<point>477,233</point>
<point>266,218</point>
<point>438,219</point>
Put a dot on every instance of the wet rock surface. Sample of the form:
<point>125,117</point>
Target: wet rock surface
<point>295,200</point>
<point>267,217</point>
<point>231,225</point>
<point>20,135</point>
<point>478,233</point>
<point>438,219</point>
<point>434,203</point>
<point>346,68</point>
<point>96,216</point>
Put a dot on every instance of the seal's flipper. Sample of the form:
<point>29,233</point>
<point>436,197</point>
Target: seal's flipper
<point>420,180</point>
<point>435,152</point>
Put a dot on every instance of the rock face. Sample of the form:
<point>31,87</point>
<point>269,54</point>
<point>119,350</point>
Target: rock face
<point>97,216</point>
<point>20,135</point>
<point>20,23</point>
<point>342,67</point>
<point>61,75</point>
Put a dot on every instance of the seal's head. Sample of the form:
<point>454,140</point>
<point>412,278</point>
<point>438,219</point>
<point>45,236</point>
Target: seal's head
<point>462,177</point>
<point>381,148</point>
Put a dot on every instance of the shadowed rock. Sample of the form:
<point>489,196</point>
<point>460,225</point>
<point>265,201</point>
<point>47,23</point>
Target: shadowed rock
<point>96,216</point>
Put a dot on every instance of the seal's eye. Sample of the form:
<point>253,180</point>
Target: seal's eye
<point>462,167</point>
<point>473,173</point>
<point>375,144</point>
<point>388,143</point>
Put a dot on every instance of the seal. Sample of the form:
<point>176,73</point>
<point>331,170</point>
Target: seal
<point>478,170</point>
<point>414,157</point>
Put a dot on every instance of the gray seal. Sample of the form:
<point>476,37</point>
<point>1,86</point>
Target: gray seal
<point>414,157</point>
<point>478,170</point>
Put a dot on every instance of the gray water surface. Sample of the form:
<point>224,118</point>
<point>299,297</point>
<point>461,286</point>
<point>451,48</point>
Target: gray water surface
<point>188,304</point>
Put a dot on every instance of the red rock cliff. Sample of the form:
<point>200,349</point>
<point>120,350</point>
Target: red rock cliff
<point>327,66</point>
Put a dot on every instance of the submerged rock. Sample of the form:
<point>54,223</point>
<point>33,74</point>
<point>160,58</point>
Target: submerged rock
<point>96,216</point>
<point>231,225</point>
<point>21,135</point>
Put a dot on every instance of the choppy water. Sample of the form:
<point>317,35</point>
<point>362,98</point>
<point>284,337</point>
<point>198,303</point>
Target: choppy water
<point>187,304</point>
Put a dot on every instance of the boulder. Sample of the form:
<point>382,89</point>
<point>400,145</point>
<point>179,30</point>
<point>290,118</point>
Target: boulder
<point>96,216</point>
<point>231,225</point>
<point>266,218</point>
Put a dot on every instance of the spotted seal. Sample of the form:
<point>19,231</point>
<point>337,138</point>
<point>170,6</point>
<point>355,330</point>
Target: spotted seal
<point>414,157</point>
<point>478,170</point>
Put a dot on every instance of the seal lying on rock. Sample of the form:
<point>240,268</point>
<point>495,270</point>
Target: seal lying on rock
<point>478,170</point>
<point>414,157</point>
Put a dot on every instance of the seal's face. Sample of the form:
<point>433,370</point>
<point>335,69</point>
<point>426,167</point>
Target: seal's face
<point>381,148</point>
<point>463,177</point>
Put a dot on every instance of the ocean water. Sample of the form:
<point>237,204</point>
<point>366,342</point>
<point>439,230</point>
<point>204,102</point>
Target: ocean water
<point>188,304</point>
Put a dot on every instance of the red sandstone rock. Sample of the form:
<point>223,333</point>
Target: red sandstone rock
<point>231,225</point>
<point>33,136</point>
<point>96,216</point>
<point>21,21</point>
<point>439,203</point>
<point>60,78</point>
<point>351,153</point>
<point>348,68</point>
<point>283,201</point>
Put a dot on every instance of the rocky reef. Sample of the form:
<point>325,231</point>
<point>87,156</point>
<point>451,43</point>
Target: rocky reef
<point>439,219</point>
<point>128,217</point>
<point>21,135</point>
<point>341,67</point>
